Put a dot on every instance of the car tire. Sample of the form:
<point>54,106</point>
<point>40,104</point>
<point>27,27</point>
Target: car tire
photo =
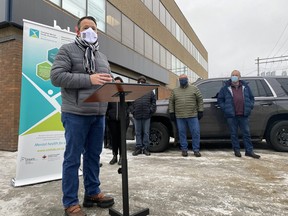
<point>159,137</point>
<point>278,136</point>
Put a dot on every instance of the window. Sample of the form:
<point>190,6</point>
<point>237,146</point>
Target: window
<point>156,52</point>
<point>148,46</point>
<point>57,2</point>
<point>173,64</point>
<point>259,88</point>
<point>156,8</point>
<point>76,7</point>
<point>169,61</point>
<point>168,21</point>
<point>284,84</point>
<point>173,27</point>
<point>113,20</point>
<point>162,56</point>
<point>96,8</point>
<point>127,32</point>
<point>210,89</point>
<point>139,40</point>
<point>177,32</point>
<point>181,37</point>
<point>148,4</point>
<point>162,14</point>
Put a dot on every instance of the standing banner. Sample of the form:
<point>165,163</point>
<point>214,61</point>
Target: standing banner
<point>41,141</point>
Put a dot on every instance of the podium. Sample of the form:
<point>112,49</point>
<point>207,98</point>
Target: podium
<point>121,92</point>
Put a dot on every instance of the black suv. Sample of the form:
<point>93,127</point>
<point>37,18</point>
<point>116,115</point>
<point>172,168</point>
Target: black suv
<point>269,118</point>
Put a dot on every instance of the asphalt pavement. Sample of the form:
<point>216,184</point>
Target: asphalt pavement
<point>218,183</point>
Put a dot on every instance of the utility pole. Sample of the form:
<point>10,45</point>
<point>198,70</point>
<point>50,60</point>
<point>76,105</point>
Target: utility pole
<point>269,60</point>
<point>258,68</point>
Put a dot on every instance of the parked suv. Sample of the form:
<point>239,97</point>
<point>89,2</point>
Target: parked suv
<point>268,120</point>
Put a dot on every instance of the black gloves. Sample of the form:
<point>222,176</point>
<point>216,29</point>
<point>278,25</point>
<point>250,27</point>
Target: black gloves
<point>200,115</point>
<point>172,117</point>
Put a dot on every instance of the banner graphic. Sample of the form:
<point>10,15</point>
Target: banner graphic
<point>41,141</point>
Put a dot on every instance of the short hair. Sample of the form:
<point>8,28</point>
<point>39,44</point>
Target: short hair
<point>141,78</point>
<point>237,71</point>
<point>118,78</point>
<point>85,17</point>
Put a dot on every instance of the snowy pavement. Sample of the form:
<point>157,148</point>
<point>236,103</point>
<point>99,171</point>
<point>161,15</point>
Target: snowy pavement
<point>168,184</point>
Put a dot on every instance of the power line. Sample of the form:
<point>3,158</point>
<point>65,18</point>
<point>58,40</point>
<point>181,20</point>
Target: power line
<point>269,60</point>
<point>279,39</point>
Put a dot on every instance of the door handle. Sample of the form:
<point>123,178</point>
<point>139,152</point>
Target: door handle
<point>266,104</point>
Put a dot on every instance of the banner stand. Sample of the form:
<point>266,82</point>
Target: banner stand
<point>41,141</point>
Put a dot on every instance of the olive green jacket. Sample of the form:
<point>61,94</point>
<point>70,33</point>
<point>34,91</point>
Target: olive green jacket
<point>186,102</point>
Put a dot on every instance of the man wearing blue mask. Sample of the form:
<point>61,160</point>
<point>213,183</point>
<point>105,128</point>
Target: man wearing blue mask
<point>79,69</point>
<point>237,101</point>
<point>186,107</point>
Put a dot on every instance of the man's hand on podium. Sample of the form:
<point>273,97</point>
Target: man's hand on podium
<point>100,78</point>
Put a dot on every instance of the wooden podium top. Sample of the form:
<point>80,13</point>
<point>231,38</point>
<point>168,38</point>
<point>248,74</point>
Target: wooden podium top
<point>109,92</point>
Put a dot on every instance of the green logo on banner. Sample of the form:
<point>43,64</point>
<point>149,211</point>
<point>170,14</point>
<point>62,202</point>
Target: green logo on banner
<point>34,33</point>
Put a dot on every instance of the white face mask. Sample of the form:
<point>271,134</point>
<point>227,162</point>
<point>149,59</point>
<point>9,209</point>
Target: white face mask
<point>89,35</point>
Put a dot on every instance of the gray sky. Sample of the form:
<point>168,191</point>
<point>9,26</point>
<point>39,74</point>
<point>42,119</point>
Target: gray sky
<point>236,32</point>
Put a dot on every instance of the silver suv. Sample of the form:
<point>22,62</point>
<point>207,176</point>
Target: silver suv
<point>269,118</point>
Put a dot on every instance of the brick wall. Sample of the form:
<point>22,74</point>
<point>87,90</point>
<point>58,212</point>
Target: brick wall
<point>10,84</point>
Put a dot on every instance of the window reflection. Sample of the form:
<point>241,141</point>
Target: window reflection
<point>127,32</point>
<point>96,8</point>
<point>148,46</point>
<point>76,7</point>
<point>156,52</point>
<point>139,40</point>
<point>57,2</point>
<point>113,19</point>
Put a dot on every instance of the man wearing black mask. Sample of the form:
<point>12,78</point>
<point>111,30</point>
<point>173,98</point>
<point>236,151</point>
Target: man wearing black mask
<point>186,107</point>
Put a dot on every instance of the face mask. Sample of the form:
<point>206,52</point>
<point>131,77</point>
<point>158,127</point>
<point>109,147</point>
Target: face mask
<point>234,78</point>
<point>183,82</point>
<point>89,35</point>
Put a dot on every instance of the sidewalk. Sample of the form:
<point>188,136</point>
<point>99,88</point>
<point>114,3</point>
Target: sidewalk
<point>218,183</point>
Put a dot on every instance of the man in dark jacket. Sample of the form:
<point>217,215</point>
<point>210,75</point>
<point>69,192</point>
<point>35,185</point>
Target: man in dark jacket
<point>237,101</point>
<point>142,110</point>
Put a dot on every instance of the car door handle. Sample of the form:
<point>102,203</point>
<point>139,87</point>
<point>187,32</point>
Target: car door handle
<point>266,104</point>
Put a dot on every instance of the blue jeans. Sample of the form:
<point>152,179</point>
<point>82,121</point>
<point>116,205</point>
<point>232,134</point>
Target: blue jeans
<point>84,135</point>
<point>193,125</point>
<point>243,124</point>
<point>142,131</point>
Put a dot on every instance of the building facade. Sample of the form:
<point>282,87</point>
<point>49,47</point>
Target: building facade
<point>139,37</point>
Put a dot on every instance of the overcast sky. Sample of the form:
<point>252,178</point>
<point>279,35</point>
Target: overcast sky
<point>236,32</point>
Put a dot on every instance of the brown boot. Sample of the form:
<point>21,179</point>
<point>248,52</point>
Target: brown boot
<point>100,200</point>
<point>74,211</point>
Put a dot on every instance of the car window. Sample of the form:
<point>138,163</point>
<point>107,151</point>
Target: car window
<point>259,88</point>
<point>284,84</point>
<point>210,89</point>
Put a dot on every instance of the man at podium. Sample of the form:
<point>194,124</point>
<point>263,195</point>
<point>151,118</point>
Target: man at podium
<point>79,69</point>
